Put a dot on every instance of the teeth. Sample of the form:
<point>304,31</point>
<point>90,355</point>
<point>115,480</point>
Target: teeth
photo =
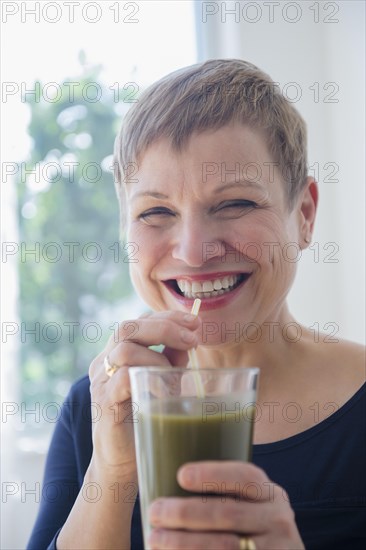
<point>196,287</point>
<point>182,285</point>
<point>225,282</point>
<point>217,284</point>
<point>207,286</point>
<point>207,289</point>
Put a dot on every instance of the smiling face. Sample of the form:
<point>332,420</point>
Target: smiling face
<point>212,221</point>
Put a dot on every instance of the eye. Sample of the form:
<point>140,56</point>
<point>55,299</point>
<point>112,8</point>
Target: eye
<point>157,212</point>
<point>237,204</point>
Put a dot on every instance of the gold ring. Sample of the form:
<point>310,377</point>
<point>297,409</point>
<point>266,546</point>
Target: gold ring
<point>246,543</point>
<point>109,369</point>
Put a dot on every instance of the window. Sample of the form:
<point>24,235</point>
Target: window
<point>65,94</point>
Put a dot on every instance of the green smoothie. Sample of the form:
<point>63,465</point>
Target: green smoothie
<point>184,416</point>
<point>179,431</point>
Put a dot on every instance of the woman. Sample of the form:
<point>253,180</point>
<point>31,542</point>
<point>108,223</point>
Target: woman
<point>214,193</point>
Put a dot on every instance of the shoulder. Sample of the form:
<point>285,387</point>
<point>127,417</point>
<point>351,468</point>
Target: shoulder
<point>333,369</point>
<point>347,346</point>
<point>343,365</point>
<point>336,354</point>
<point>349,355</point>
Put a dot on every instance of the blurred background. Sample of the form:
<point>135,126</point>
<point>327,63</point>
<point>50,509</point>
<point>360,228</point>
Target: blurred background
<point>65,273</point>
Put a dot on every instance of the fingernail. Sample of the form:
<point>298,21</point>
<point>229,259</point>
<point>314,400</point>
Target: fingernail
<point>156,510</point>
<point>188,475</point>
<point>188,336</point>
<point>189,317</point>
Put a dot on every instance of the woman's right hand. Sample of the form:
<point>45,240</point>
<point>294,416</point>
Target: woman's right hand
<point>113,439</point>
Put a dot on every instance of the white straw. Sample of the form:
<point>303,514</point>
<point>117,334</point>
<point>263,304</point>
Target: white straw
<point>196,306</point>
<point>193,355</point>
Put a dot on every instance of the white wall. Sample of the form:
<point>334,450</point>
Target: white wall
<point>306,52</point>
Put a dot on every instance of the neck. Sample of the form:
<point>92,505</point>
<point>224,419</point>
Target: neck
<point>275,346</point>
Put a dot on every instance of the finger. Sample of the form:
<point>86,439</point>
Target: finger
<point>127,354</point>
<point>166,539</point>
<point>131,354</point>
<point>131,331</point>
<point>177,358</point>
<point>212,514</point>
<point>270,521</point>
<point>152,331</point>
<point>180,317</point>
<point>225,475</point>
<point>161,383</point>
<point>184,319</point>
<point>119,383</point>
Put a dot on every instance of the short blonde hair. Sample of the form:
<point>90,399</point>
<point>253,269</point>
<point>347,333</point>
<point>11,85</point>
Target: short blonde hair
<point>208,96</point>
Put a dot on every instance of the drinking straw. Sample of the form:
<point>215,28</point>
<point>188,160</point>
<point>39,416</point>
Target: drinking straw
<point>193,355</point>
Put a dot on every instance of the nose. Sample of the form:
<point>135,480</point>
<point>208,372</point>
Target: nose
<point>197,242</point>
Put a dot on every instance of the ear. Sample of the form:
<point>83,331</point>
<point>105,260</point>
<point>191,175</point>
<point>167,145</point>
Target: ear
<point>307,205</point>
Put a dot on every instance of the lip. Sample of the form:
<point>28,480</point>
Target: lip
<point>210,303</point>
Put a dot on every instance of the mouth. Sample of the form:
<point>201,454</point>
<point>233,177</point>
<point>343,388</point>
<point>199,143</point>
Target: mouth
<point>209,288</point>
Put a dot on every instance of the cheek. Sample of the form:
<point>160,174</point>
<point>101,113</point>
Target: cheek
<point>144,286</point>
<point>150,248</point>
<point>148,245</point>
<point>259,238</point>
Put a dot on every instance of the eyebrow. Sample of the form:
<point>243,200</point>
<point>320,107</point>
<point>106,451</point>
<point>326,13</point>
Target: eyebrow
<point>154,194</point>
<point>218,189</point>
<point>239,183</point>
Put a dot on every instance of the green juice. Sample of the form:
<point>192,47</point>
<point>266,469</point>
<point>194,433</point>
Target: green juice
<point>186,430</point>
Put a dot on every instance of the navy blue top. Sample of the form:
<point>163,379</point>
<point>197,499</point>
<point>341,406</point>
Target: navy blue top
<point>323,470</point>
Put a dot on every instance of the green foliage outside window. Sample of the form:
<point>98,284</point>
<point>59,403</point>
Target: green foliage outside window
<point>71,295</point>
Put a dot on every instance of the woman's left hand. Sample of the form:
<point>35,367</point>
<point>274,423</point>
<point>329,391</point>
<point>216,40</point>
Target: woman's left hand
<point>246,504</point>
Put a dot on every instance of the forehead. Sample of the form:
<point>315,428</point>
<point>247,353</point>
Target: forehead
<point>232,153</point>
